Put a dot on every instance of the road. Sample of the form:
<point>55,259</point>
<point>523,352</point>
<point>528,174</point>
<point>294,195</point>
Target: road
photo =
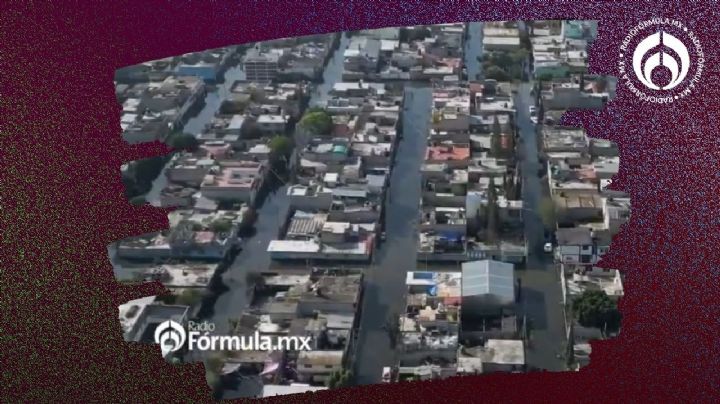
<point>385,279</point>
<point>473,50</point>
<point>332,73</point>
<point>541,298</point>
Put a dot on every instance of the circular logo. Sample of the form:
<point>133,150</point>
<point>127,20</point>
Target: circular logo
<point>170,335</point>
<point>661,60</point>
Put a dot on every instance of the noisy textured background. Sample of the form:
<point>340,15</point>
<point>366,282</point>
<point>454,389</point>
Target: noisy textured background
<point>62,203</point>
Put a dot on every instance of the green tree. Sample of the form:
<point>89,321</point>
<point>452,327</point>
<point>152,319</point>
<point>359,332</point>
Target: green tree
<point>167,298</point>
<point>185,141</point>
<point>189,297</point>
<point>138,200</point>
<point>281,148</point>
<point>519,55</point>
<point>594,308</point>
<point>493,72</point>
<point>146,170</point>
<point>248,220</point>
<point>545,76</point>
<point>317,121</point>
<point>342,378</point>
<point>221,226</point>
<point>213,372</point>
<point>548,213</point>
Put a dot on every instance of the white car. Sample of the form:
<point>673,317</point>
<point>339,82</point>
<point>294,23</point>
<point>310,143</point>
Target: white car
<point>534,120</point>
<point>532,110</point>
<point>548,247</point>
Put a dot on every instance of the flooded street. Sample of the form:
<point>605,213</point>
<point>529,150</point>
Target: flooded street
<point>473,50</point>
<point>385,280</point>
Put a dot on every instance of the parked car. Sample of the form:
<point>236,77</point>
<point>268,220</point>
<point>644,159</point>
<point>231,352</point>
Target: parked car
<point>548,248</point>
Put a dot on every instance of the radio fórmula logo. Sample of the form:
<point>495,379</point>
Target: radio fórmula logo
<point>171,336</point>
<point>661,45</point>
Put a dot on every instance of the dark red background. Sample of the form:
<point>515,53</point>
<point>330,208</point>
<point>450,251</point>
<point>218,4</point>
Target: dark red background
<point>62,200</point>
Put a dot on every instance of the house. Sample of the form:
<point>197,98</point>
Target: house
<point>314,250</point>
<point>443,219</point>
<point>455,156</point>
<point>206,65</point>
<point>563,96</point>
<point>578,208</point>
<point>172,276</point>
<point>500,355</point>
<point>362,54</point>
<point>318,366</point>
<point>271,124</point>
<point>501,43</point>
<point>261,66</point>
<point>236,181</point>
<point>445,246</point>
<point>487,286</point>
<point>575,246</point>
<point>185,168</point>
<point>149,317</point>
<point>312,197</point>
<point>575,283</point>
<point>430,325</point>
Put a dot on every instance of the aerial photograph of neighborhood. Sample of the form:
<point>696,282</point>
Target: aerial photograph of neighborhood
<point>407,198</point>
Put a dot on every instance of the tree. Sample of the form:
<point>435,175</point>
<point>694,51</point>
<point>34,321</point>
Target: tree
<point>508,186</point>
<point>520,55</point>
<point>221,226</point>
<point>146,170</point>
<point>496,140</point>
<point>594,308</point>
<point>248,219</point>
<point>167,298</point>
<point>138,200</point>
<point>185,141</point>
<point>341,378</point>
<point>492,214</point>
<point>493,72</point>
<point>213,369</point>
<point>317,121</point>
<point>546,76</point>
<point>189,297</point>
<point>548,213</point>
<point>281,148</point>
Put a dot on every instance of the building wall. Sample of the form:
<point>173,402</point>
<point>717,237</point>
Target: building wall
<point>167,201</point>
<point>228,194</point>
<point>186,175</point>
<point>433,199</point>
<point>417,358</point>
<point>355,216</point>
<point>133,137</point>
<point>557,71</point>
<point>318,202</point>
